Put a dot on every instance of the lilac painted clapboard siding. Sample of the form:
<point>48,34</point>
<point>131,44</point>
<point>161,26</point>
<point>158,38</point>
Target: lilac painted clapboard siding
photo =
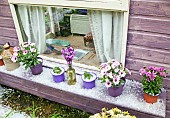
<point>6,22</point>
<point>5,11</point>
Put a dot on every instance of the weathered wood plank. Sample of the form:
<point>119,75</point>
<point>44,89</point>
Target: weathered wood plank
<point>146,53</point>
<point>155,8</point>
<point>150,24</point>
<point>12,41</point>
<point>151,40</point>
<point>6,22</point>
<point>167,114</point>
<point>3,2</point>
<point>5,11</point>
<point>77,101</point>
<point>137,64</point>
<point>168,94</point>
<point>8,32</point>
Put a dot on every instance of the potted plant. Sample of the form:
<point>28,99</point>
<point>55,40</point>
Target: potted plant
<point>112,113</point>
<point>88,80</point>
<point>58,74</point>
<point>68,54</point>
<point>113,75</point>
<point>1,60</point>
<point>152,82</point>
<point>6,54</point>
<point>28,55</point>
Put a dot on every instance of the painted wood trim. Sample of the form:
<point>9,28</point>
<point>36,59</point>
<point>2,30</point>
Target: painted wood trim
<point>114,5</point>
<point>16,23</point>
<point>124,37</point>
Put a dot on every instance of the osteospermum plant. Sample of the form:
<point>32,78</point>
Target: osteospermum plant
<point>27,54</point>
<point>152,79</point>
<point>112,73</point>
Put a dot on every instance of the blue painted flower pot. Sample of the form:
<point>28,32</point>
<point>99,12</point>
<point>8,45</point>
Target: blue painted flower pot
<point>89,84</point>
<point>58,77</point>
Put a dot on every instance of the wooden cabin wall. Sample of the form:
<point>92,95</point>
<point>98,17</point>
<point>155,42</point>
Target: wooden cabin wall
<point>149,39</point>
<point>148,36</point>
<point>7,28</point>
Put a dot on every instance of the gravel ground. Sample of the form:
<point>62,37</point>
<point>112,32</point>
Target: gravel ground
<point>4,110</point>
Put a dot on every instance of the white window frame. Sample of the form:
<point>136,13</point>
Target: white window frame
<point>111,5</point>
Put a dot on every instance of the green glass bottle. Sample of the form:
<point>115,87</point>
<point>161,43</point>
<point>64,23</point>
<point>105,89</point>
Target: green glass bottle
<point>71,75</point>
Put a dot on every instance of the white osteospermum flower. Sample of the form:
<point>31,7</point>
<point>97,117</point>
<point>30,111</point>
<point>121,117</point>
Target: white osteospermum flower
<point>122,73</point>
<point>116,70</point>
<point>110,75</point>
<point>107,68</point>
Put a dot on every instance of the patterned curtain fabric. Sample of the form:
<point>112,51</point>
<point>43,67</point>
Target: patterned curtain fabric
<point>32,24</point>
<point>107,31</point>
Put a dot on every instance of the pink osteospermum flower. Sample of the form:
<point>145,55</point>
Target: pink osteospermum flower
<point>14,58</point>
<point>15,54</point>
<point>25,52</point>
<point>108,84</point>
<point>116,63</point>
<point>107,68</point>
<point>163,74</point>
<point>16,49</point>
<point>103,65</point>
<point>33,50</point>
<point>116,80</point>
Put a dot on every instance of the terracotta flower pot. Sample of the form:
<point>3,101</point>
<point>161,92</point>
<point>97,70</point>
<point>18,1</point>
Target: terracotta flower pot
<point>89,84</point>
<point>37,69</point>
<point>1,61</point>
<point>149,98</point>
<point>58,77</point>
<point>116,91</point>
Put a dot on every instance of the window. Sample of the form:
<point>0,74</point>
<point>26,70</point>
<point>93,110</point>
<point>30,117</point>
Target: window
<point>103,37</point>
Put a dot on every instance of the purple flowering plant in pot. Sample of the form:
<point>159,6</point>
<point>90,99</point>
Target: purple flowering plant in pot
<point>58,74</point>
<point>68,54</point>
<point>89,80</point>
<point>28,54</point>
<point>152,81</point>
<point>113,75</point>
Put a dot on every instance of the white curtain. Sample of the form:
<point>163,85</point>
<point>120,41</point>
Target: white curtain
<point>32,21</point>
<point>107,28</point>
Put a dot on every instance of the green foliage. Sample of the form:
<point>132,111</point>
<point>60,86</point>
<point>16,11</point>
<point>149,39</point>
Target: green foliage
<point>39,107</point>
<point>65,26</point>
<point>152,87</point>
<point>57,70</point>
<point>87,75</point>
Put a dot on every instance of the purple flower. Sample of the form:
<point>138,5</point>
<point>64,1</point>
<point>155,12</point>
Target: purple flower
<point>151,68</point>
<point>68,54</point>
<point>142,71</point>
<point>25,52</point>
<point>161,69</point>
<point>14,58</point>
<point>152,76</point>
<point>163,74</point>
<point>116,80</point>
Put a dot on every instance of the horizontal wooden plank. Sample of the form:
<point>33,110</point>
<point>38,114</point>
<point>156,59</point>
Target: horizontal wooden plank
<point>84,103</point>
<point>167,114</point>
<point>137,64</point>
<point>6,22</point>
<point>3,2</point>
<point>168,94</point>
<point>5,11</point>
<point>151,40</point>
<point>150,24</point>
<point>140,52</point>
<point>168,105</point>
<point>8,32</point>
<point>155,8</point>
<point>12,41</point>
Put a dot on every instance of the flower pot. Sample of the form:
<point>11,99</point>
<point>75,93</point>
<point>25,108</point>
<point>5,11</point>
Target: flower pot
<point>58,77</point>
<point>89,84</point>
<point>1,61</point>
<point>115,91</point>
<point>149,98</point>
<point>37,69</point>
<point>10,65</point>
